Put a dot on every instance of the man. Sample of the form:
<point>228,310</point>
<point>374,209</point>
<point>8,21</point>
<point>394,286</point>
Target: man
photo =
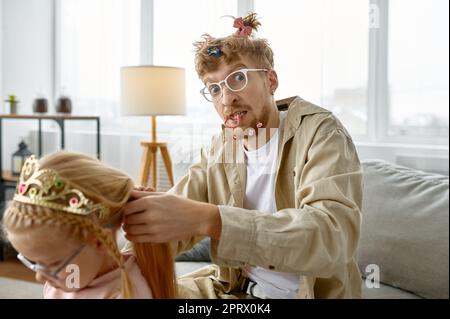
<point>278,193</point>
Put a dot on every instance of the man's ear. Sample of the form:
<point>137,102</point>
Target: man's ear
<point>273,81</point>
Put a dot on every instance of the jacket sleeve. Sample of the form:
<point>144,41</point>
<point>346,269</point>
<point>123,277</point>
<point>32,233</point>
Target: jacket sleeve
<point>313,239</point>
<point>193,186</point>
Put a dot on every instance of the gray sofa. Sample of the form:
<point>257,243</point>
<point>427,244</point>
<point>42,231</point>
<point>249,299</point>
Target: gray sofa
<point>404,233</point>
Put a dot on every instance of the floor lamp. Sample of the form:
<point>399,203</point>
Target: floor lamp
<point>153,91</point>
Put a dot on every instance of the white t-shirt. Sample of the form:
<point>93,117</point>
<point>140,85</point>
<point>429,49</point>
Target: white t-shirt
<point>260,195</point>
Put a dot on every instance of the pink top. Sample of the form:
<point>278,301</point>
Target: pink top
<point>106,286</point>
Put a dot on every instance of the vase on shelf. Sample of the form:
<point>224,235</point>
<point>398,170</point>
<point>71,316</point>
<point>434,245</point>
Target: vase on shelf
<point>13,104</point>
<point>40,105</point>
<point>64,105</point>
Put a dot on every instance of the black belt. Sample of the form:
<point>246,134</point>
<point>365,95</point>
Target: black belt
<point>248,287</point>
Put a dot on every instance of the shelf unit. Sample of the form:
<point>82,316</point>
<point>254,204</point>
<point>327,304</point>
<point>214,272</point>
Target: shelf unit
<point>7,179</point>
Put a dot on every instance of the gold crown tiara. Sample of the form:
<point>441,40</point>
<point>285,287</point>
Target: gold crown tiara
<point>44,187</point>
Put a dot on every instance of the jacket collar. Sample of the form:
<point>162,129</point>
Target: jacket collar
<point>236,169</point>
<point>298,108</point>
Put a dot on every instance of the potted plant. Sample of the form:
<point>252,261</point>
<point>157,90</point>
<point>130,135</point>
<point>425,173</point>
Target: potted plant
<point>13,102</point>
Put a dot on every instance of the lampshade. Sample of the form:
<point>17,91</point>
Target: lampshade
<point>152,90</point>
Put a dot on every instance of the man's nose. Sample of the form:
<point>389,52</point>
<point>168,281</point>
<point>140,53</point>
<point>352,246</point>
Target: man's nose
<point>228,97</point>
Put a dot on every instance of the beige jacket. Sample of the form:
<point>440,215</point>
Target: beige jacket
<point>318,194</point>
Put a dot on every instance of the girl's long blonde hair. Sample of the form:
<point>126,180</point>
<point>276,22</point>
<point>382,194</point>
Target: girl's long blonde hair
<point>106,185</point>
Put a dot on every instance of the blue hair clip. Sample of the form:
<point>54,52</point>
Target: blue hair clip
<point>215,51</point>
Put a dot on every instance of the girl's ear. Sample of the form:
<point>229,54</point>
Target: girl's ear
<point>97,243</point>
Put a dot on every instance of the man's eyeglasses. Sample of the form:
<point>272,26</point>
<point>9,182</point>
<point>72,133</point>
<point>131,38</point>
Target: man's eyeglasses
<point>53,274</point>
<point>235,82</point>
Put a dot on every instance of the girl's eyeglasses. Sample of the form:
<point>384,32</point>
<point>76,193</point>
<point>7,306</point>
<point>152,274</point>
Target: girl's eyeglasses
<point>53,274</point>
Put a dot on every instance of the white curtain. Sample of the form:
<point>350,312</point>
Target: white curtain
<point>321,53</point>
<point>94,39</point>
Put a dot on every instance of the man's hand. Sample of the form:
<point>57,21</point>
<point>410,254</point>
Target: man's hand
<point>162,217</point>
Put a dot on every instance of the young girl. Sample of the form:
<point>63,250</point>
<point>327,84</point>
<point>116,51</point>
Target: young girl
<point>63,221</point>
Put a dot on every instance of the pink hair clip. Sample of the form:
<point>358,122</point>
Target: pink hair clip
<point>243,30</point>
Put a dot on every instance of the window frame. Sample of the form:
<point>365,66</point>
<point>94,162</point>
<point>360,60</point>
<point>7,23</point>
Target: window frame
<point>378,85</point>
<point>377,82</point>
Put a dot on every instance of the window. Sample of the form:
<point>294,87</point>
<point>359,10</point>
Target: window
<point>176,27</point>
<point>418,69</point>
<point>94,39</point>
<point>97,37</point>
<point>321,54</point>
<point>324,51</point>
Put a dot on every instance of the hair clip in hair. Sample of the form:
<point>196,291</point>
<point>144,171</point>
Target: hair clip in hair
<point>215,51</point>
<point>45,188</point>
<point>243,30</point>
<point>246,25</point>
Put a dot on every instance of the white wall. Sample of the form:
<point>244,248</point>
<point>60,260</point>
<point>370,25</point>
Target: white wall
<point>26,62</point>
<point>27,49</point>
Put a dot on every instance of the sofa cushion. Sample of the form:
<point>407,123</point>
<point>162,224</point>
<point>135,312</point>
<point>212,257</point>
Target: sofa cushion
<point>185,267</point>
<point>386,292</point>
<point>199,252</point>
<point>405,228</point>
<point>18,289</point>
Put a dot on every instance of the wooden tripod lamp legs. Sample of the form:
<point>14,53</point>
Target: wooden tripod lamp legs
<point>149,156</point>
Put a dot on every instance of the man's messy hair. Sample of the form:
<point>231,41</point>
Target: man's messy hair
<point>210,52</point>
